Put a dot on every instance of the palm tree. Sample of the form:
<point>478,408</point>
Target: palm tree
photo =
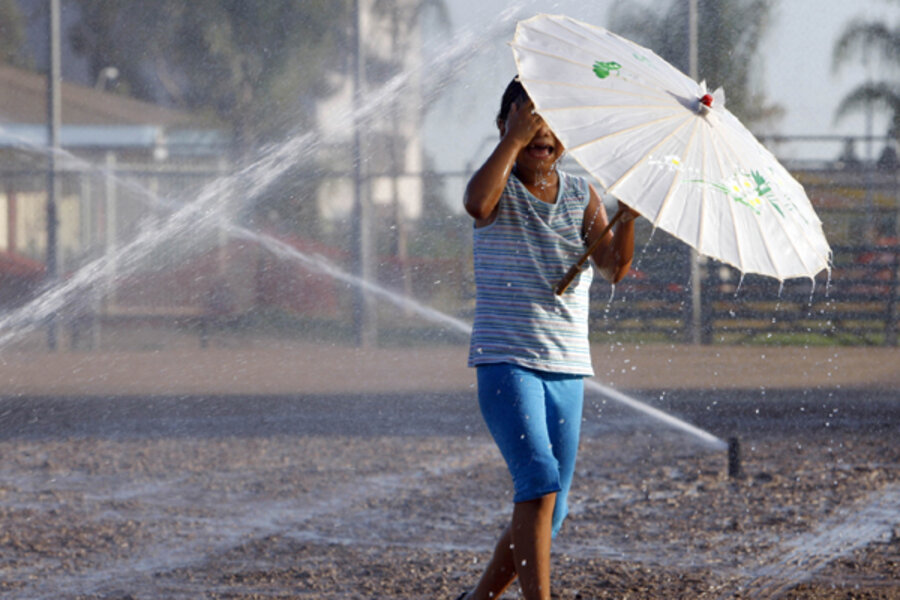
<point>861,39</point>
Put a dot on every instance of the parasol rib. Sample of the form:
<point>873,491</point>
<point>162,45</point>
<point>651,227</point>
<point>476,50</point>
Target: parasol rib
<point>704,194</point>
<point>603,38</point>
<point>677,179</point>
<point>776,267</point>
<point>647,155</point>
<point>601,107</point>
<point>630,118</point>
<point>638,90</point>
<point>773,259</point>
<point>781,221</point>
<point>625,131</point>
<point>654,90</point>
<point>788,233</point>
<point>549,55</point>
<point>594,88</point>
<point>737,232</point>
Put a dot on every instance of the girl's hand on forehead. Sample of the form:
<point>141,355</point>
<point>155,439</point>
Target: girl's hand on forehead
<point>522,122</point>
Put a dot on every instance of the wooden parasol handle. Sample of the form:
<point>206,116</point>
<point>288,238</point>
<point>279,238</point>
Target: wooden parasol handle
<point>575,269</point>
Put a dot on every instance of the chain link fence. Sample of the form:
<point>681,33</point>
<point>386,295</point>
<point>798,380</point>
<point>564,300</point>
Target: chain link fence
<point>294,277</point>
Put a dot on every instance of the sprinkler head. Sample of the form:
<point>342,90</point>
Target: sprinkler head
<point>734,459</point>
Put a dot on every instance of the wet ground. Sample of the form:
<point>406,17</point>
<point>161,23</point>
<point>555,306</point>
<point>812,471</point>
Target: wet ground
<point>402,495</point>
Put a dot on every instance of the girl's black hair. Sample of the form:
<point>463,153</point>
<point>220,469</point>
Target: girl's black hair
<point>515,93</point>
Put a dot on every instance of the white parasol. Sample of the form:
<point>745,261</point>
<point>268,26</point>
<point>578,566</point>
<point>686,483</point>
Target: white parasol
<point>658,141</point>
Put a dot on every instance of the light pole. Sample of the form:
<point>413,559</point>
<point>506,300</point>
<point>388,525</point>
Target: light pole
<point>54,119</point>
<point>363,306</point>
<point>696,291</point>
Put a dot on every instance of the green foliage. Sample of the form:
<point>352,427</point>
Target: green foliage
<point>259,68</point>
<point>251,65</point>
<point>729,32</point>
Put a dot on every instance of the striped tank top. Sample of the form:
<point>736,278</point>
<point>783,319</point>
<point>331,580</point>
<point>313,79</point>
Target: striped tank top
<point>519,258</point>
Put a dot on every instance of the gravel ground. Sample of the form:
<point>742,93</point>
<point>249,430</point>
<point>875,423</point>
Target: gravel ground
<point>402,495</point>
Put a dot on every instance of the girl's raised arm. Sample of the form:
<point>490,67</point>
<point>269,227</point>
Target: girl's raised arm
<point>486,185</point>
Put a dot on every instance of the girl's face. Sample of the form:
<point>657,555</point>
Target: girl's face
<point>542,152</point>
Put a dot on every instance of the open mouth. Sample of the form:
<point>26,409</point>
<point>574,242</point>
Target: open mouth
<point>540,150</point>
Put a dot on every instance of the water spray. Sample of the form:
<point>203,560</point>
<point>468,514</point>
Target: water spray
<point>254,178</point>
<point>614,394</point>
<point>322,265</point>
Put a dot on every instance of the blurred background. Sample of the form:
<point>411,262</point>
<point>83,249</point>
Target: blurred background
<point>219,174</point>
<point>236,287</point>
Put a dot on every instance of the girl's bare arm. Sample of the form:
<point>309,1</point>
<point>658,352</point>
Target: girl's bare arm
<point>614,254</point>
<point>486,185</point>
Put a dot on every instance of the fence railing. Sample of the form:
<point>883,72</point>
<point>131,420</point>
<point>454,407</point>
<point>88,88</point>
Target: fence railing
<point>857,304</point>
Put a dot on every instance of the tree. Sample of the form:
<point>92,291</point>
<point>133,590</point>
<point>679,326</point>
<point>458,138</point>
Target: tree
<point>12,34</point>
<point>861,39</point>
<point>403,20</point>
<point>729,32</point>
<point>252,65</point>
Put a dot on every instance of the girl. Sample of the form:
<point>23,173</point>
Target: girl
<point>530,347</point>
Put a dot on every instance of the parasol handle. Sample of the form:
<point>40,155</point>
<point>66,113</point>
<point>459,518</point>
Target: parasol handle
<point>575,269</point>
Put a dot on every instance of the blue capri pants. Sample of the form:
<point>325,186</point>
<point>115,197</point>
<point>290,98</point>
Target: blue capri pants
<point>535,419</point>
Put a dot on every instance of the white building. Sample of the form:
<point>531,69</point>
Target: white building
<point>389,113</point>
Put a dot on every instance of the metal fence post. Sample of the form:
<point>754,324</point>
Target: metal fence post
<point>709,288</point>
<point>890,338</point>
